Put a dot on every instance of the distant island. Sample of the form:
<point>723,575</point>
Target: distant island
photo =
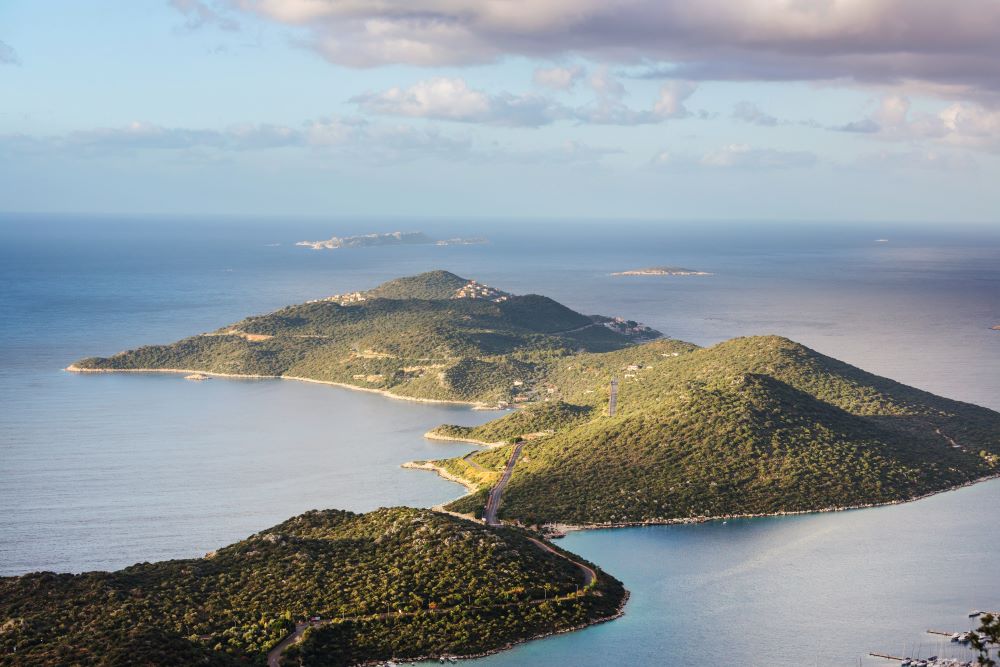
<point>618,425</point>
<point>313,590</point>
<point>996,328</point>
<point>662,271</point>
<point>388,238</point>
<point>433,337</point>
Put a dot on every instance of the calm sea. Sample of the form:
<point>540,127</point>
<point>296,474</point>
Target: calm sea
<point>97,472</point>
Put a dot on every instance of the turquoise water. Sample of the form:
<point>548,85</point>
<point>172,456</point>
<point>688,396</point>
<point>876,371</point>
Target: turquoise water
<point>804,590</point>
<point>102,471</point>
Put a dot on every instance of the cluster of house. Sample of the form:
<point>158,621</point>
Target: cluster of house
<point>350,297</point>
<point>627,327</point>
<point>474,290</point>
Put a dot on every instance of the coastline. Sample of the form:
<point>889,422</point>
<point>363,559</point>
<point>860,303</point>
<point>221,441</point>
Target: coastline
<point>563,528</point>
<point>470,487</point>
<point>431,435</point>
<point>619,612</point>
<point>73,368</point>
<point>569,527</point>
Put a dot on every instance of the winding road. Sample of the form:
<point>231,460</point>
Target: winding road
<point>490,518</point>
<point>274,655</point>
<point>496,493</point>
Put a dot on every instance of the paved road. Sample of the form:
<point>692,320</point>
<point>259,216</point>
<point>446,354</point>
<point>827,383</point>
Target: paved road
<point>585,326</point>
<point>468,459</point>
<point>490,517</point>
<point>589,576</point>
<point>274,655</point>
<point>496,493</point>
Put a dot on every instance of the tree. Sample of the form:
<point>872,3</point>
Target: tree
<point>988,634</point>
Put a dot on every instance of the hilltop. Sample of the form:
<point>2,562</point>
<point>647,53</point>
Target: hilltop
<point>434,336</point>
<point>751,426</point>
<point>450,587</point>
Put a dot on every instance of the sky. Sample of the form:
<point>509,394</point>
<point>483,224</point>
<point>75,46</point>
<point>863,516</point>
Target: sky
<point>653,109</point>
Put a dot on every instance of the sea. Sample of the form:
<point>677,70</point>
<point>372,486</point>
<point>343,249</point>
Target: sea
<point>101,471</point>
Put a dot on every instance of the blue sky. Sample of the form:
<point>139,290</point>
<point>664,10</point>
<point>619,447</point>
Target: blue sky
<point>758,109</point>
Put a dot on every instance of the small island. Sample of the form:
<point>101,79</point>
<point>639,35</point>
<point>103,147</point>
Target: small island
<point>996,328</point>
<point>662,271</point>
<point>314,590</point>
<point>386,238</point>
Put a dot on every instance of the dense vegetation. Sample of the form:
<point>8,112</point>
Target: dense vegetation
<point>449,586</point>
<point>535,420</point>
<point>750,426</point>
<point>409,336</point>
<point>753,425</point>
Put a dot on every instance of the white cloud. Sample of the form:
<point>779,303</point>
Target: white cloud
<point>558,78</point>
<point>887,41</point>
<point>333,138</point>
<point>606,85</point>
<point>918,159</point>
<point>662,159</point>
<point>742,156</point>
<point>971,126</point>
<point>672,97</point>
<point>453,99</point>
<point>961,124</point>
<point>146,136</point>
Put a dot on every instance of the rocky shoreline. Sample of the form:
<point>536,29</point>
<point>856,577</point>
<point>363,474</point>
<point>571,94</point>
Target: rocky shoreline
<point>619,612</point>
<point>441,472</point>
<point>557,528</point>
<point>563,528</point>
<point>432,435</point>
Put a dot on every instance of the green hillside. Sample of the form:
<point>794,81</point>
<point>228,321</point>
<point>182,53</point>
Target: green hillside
<point>417,337</point>
<point>452,587</point>
<point>431,285</point>
<point>750,426</point>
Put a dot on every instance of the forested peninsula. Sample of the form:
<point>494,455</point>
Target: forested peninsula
<point>324,588</point>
